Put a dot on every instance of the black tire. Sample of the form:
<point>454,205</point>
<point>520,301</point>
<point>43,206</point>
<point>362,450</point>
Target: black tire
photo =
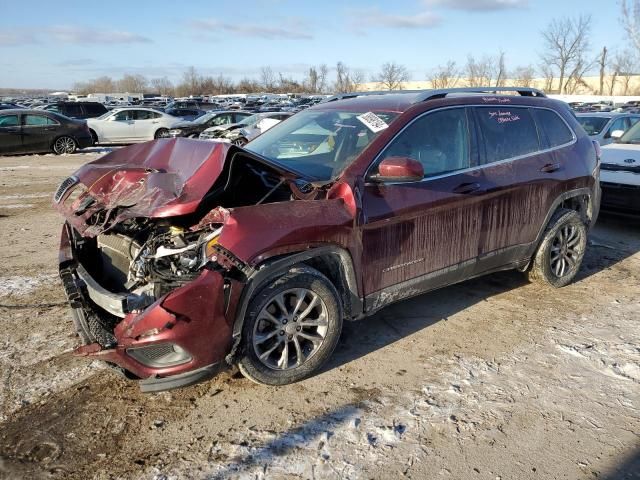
<point>94,136</point>
<point>317,286</point>
<point>546,266</point>
<point>64,145</point>
<point>161,133</point>
<point>80,323</point>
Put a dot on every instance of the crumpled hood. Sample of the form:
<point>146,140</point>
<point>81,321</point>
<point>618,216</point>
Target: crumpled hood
<point>161,178</point>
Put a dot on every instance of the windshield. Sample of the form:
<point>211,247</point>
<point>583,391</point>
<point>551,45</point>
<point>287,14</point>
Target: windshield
<point>104,115</point>
<point>204,118</point>
<point>321,143</point>
<point>251,120</point>
<point>593,125</point>
<point>632,135</point>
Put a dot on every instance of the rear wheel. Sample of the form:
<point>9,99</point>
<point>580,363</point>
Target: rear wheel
<point>64,145</point>
<point>94,136</point>
<point>241,142</point>
<point>291,328</point>
<point>162,133</point>
<point>561,250</point>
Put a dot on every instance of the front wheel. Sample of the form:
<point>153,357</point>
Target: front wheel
<point>162,133</point>
<point>241,142</point>
<point>64,145</point>
<point>561,250</point>
<point>291,329</point>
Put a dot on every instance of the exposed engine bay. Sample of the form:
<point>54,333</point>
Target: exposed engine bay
<point>148,257</point>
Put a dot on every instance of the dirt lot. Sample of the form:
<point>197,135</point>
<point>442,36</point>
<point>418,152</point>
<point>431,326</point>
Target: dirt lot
<point>491,379</point>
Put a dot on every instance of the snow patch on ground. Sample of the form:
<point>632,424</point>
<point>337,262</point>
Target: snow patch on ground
<point>23,285</point>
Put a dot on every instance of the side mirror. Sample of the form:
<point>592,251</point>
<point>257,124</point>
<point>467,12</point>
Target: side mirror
<point>616,134</point>
<point>399,169</point>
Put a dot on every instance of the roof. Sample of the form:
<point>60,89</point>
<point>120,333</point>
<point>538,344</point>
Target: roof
<point>399,101</point>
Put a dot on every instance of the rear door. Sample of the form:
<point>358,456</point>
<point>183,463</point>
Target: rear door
<point>38,132</point>
<point>424,234</point>
<point>10,133</point>
<point>523,174</point>
<point>146,123</point>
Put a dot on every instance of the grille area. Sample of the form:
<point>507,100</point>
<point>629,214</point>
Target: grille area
<point>160,355</point>
<point>66,184</point>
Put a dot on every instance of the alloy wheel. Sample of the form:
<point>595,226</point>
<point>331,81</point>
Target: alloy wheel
<point>290,329</point>
<point>64,145</point>
<point>566,250</point>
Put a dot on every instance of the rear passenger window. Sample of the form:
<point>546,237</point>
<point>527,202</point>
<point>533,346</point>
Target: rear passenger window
<point>507,132</point>
<point>438,140</point>
<point>37,120</point>
<point>553,127</point>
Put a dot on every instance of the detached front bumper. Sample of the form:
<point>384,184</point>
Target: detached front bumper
<point>180,339</point>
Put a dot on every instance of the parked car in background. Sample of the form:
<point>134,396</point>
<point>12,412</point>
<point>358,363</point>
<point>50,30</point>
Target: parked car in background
<point>80,110</point>
<point>242,136</point>
<point>620,174</point>
<point>186,114</point>
<point>180,257</point>
<point>131,124</point>
<point>35,131</point>
<point>221,131</point>
<point>209,119</point>
<point>606,127</point>
<point>9,106</point>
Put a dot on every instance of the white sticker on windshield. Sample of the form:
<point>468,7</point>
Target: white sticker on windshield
<point>372,122</point>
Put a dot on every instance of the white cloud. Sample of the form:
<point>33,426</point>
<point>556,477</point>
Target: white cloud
<point>15,38</point>
<point>375,17</point>
<point>249,30</point>
<point>81,35</point>
<point>477,5</point>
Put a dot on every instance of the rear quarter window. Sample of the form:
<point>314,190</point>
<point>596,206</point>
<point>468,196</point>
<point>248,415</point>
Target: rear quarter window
<point>553,128</point>
<point>507,132</point>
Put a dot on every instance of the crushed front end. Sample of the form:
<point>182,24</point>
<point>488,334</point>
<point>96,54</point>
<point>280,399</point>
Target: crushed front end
<point>146,300</point>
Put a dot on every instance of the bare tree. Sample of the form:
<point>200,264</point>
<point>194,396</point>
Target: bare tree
<point>445,76</point>
<point>478,72</point>
<point>311,81</point>
<point>392,75</point>
<point>624,66</point>
<point>602,61</point>
<point>549,76</point>
<point>162,85</point>
<point>631,20</point>
<point>323,72</point>
<point>576,76</point>
<point>346,81</point>
<point>523,76</point>
<point>566,44</point>
<point>190,84</point>
<point>500,70</point>
<point>247,85</point>
<point>132,83</point>
<point>267,79</point>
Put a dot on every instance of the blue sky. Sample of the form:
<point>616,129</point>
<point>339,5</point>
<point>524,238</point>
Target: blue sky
<point>46,44</point>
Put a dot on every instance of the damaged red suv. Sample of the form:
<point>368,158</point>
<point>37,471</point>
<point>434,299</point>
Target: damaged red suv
<point>180,257</point>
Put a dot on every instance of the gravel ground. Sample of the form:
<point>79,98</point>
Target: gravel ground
<point>491,379</point>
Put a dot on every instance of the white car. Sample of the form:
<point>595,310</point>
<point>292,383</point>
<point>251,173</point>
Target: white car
<point>129,125</point>
<point>620,174</point>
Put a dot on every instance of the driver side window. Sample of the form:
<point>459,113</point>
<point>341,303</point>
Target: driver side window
<point>438,140</point>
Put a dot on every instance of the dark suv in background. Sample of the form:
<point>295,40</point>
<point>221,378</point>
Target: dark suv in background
<point>81,110</point>
<point>180,257</point>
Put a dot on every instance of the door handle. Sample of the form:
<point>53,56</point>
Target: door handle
<point>155,122</point>
<point>468,188</point>
<point>550,168</point>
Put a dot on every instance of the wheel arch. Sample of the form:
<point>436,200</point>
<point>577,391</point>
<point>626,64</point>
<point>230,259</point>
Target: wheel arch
<point>585,201</point>
<point>333,262</point>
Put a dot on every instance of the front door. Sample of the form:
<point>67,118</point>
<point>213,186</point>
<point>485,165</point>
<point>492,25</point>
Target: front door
<point>424,234</point>
<point>120,127</point>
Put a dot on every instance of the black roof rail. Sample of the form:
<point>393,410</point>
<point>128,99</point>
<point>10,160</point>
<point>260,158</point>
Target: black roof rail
<point>344,96</point>
<point>441,93</point>
<point>433,94</point>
